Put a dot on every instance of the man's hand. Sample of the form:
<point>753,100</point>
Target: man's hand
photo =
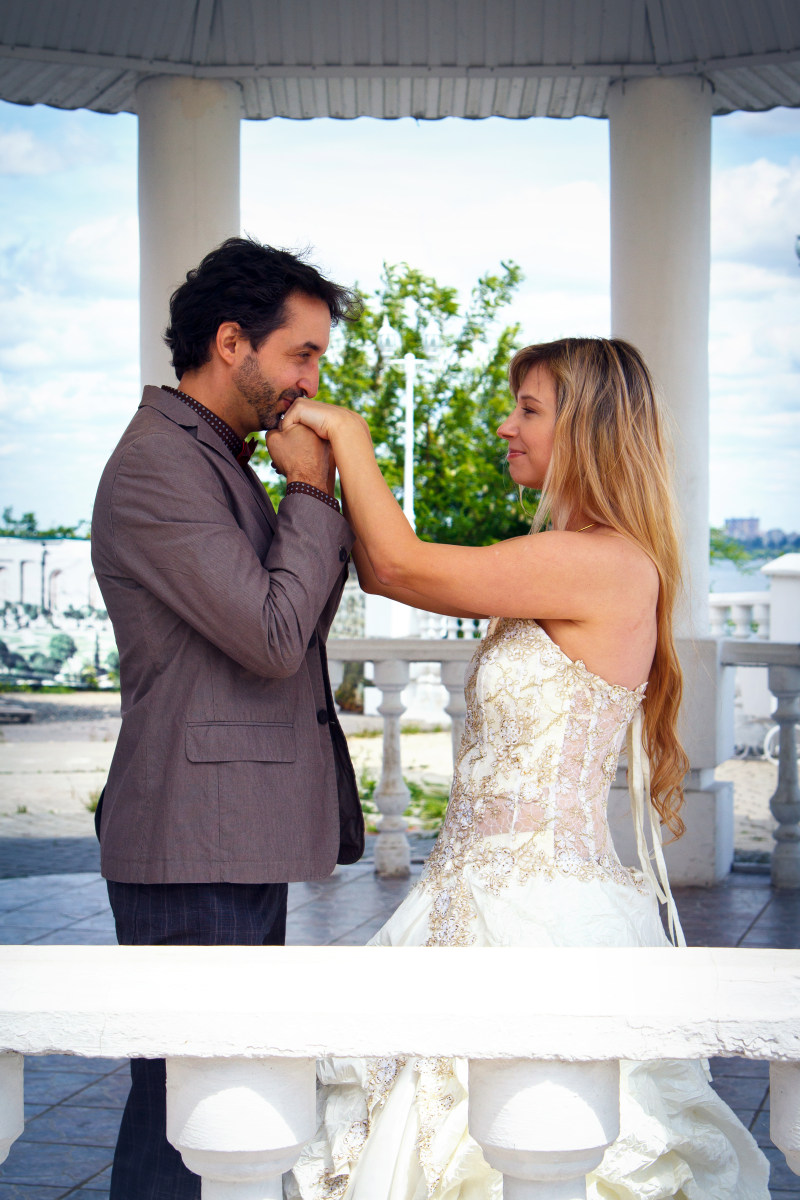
<point>302,457</point>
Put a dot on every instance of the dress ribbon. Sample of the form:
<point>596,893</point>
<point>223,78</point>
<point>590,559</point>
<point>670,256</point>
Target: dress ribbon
<point>642,807</point>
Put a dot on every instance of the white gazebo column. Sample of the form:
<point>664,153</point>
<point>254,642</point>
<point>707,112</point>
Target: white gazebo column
<point>188,193</point>
<point>660,143</point>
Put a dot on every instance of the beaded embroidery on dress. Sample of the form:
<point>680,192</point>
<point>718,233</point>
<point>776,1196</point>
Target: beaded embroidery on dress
<point>525,857</point>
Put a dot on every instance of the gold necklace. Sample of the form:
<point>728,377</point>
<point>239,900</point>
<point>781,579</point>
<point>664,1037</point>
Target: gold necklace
<point>589,526</point>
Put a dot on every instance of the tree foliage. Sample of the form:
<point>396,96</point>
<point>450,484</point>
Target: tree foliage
<point>723,548</point>
<point>27,526</point>
<point>462,490</point>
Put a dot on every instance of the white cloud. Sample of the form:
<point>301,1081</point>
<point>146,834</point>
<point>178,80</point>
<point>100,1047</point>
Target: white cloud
<point>100,257</point>
<point>23,154</point>
<point>754,213</point>
<point>45,151</point>
<point>42,332</point>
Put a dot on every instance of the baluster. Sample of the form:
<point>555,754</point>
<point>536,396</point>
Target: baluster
<point>545,1125</point>
<point>717,618</point>
<point>456,707</point>
<point>336,675</point>
<point>784,1103</point>
<point>742,616</point>
<point>240,1123</point>
<point>761,614</point>
<point>12,1111</point>
<point>784,683</point>
<point>392,851</point>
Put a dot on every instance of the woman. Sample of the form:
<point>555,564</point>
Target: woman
<point>579,652</point>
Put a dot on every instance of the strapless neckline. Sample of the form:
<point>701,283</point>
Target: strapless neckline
<point>577,663</point>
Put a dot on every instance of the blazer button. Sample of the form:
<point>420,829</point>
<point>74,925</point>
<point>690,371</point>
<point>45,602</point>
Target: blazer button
<point>322,716</point>
<point>343,554</point>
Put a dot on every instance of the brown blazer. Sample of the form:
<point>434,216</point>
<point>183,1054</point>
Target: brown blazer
<point>230,764</point>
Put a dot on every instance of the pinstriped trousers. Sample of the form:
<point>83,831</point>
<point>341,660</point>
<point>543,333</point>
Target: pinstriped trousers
<point>146,1166</point>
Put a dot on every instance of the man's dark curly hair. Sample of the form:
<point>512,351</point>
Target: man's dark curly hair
<point>247,282</point>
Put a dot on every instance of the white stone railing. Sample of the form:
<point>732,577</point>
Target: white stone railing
<point>739,614</point>
<point>782,660</point>
<point>241,1028</point>
<point>391,659</point>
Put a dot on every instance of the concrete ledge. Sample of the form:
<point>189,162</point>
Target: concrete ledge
<point>306,1002</point>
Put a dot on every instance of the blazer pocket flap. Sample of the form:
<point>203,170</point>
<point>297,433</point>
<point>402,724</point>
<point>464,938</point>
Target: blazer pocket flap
<point>240,742</point>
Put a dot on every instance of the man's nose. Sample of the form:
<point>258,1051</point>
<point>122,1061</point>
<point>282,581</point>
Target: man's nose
<point>309,383</point>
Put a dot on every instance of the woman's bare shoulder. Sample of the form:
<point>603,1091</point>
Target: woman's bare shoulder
<point>612,560</point>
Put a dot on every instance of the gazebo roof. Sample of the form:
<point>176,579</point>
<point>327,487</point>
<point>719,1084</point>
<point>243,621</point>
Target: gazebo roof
<point>399,58</point>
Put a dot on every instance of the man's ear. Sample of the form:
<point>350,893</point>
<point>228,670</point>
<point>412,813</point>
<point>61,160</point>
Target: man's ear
<point>229,336</point>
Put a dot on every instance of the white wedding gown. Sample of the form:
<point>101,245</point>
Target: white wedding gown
<point>525,859</point>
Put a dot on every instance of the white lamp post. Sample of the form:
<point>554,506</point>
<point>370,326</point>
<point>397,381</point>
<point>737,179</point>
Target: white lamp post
<point>389,343</point>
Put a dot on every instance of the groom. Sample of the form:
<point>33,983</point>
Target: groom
<point>231,775</point>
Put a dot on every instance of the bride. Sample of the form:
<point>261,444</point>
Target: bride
<point>579,654</point>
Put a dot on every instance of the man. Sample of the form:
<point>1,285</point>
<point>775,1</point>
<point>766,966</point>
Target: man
<point>231,775</point>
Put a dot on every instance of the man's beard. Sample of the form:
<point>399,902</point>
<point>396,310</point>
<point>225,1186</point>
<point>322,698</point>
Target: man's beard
<point>259,393</point>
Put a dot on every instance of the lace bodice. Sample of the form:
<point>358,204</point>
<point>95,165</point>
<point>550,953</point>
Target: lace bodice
<point>541,741</point>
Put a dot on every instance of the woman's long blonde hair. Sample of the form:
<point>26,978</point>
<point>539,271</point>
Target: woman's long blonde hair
<point>610,463</point>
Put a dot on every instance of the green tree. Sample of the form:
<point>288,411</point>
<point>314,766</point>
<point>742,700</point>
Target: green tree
<point>723,547</point>
<point>62,647</point>
<point>462,492</point>
<point>27,526</point>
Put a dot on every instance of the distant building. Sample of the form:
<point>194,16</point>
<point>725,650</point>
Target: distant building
<point>742,528</point>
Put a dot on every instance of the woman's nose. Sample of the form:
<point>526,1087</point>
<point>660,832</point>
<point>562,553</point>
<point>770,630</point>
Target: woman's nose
<point>506,430</point>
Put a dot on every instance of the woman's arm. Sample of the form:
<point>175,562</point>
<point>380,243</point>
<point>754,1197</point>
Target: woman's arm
<point>369,582</point>
<point>570,576</point>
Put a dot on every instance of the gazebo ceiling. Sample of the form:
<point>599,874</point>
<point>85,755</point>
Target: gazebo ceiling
<point>399,58</point>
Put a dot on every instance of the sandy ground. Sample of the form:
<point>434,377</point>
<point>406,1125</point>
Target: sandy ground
<point>52,768</point>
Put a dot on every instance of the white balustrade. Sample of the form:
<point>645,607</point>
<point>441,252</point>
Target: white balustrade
<point>392,851</point>
<point>391,659</point>
<point>544,1125</point>
<point>12,1120</point>
<point>784,683</point>
<point>241,1026</point>
<point>784,1098</point>
<point>239,1123</point>
<point>456,708</point>
<point>782,660</point>
<point>739,614</point>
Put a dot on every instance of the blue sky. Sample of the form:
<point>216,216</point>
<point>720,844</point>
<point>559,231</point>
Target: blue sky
<point>453,198</point>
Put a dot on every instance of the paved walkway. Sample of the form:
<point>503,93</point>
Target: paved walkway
<point>51,893</point>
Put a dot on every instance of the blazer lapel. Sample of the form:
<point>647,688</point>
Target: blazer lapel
<point>174,408</point>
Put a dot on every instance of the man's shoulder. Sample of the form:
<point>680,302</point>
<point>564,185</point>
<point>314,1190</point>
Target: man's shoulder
<point>154,445</point>
<point>151,429</point>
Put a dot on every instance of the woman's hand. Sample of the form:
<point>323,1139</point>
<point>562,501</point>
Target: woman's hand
<point>327,420</point>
